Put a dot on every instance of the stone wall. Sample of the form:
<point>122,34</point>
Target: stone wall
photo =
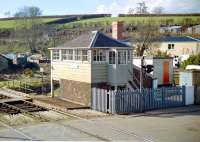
<point>78,92</point>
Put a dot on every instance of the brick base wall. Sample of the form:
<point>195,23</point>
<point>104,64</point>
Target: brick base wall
<point>79,92</point>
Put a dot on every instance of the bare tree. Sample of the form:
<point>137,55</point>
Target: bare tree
<point>29,26</point>
<point>158,10</point>
<point>147,34</point>
<point>142,8</point>
<point>131,11</point>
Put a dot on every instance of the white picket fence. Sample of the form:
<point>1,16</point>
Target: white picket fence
<point>128,101</point>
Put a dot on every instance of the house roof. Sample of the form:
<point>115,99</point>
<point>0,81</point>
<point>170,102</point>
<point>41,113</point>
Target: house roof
<point>179,39</point>
<point>94,39</point>
<point>5,57</point>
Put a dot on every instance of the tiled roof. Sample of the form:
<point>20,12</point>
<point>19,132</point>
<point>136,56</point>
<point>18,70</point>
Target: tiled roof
<point>179,39</point>
<point>94,40</point>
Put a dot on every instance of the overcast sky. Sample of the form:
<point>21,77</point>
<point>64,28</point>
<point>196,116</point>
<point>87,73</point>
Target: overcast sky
<point>60,7</point>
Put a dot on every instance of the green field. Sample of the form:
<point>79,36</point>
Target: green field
<point>132,20</point>
<point>7,24</point>
<point>108,20</point>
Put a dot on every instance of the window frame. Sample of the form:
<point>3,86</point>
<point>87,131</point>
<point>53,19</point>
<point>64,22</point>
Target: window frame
<point>128,55</point>
<point>98,55</point>
<point>56,54</point>
<point>68,56</point>
<point>77,55</point>
<point>111,58</point>
<point>84,55</point>
<point>122,57</point>
<point>171,46</point>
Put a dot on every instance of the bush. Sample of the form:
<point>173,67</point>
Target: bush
<point>28,72</point>
<point>159,53</point>
<point>192,60</point>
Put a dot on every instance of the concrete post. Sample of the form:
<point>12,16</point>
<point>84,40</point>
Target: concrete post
<point>52,93</point>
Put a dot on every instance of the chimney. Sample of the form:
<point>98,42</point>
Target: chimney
<point>117,30</point>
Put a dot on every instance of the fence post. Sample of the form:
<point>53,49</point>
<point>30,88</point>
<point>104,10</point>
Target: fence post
<point>108,101</point>
<point>183,95</point>
<point>141,100</point>
<point>163,92</point>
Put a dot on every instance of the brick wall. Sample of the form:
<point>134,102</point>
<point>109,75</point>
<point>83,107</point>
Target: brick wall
<point>75,91</point>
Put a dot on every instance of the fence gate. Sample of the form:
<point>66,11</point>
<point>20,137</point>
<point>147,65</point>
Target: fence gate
<point>103,100</point>
<point>126,101</point>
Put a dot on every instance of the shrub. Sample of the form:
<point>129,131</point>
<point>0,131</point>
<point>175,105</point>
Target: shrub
<point>192,60</point>
<point>159,53</point>
<point>28,72</point>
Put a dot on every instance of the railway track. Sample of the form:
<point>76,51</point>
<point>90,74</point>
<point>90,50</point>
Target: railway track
<point>2,97</point>
<point>22,107</point>
<point>28,109</point>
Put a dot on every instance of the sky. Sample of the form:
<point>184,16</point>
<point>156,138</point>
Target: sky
<point>61,7</point>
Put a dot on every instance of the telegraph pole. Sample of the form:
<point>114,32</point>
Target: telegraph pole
<point>141,74</point>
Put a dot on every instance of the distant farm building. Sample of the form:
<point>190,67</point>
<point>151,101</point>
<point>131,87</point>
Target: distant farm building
<point>178,46</point>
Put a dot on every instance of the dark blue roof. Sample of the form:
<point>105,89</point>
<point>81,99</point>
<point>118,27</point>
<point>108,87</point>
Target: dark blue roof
<point>103,40</point>
<point>94,40</point>
<point>179,39</point>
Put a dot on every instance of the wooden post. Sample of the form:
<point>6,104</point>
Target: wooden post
<point>141,74</point>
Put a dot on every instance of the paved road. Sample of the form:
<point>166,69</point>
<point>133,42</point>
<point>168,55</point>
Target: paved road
<point>176,127</point>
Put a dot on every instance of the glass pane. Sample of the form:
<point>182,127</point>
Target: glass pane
<point>111,57</point>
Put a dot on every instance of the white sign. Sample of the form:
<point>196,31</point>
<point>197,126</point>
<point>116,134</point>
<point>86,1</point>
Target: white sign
<point>41,69</point>
<point>75,66</point>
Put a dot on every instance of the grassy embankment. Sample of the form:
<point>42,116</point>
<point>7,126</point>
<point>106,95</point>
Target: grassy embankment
<point>9,24</point>
<point>130,20</point>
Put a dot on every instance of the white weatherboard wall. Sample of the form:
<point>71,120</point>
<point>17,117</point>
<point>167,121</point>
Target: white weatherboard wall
<point>119,74</point>
<point>189,95</point>
<point>99,73</point>
<point>71,71</point>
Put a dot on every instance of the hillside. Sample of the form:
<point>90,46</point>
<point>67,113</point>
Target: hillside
<point>10,23</point>
<point>93,20</point>
<point>161,20</point>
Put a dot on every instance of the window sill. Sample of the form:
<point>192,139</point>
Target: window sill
<point>101,62</point>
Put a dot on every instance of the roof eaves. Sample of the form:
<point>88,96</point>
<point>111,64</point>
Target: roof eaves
<point>93,39</point>
<point>195,39</point>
